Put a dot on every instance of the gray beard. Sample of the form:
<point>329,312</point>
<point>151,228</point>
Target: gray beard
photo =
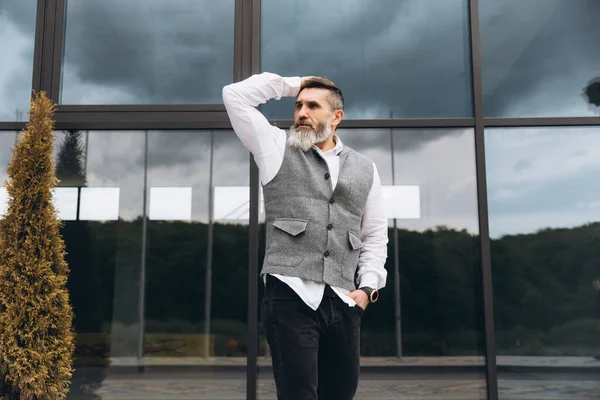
<point>304,138</point>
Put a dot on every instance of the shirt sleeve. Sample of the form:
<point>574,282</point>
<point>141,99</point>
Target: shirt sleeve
<point>374,235</point>
<point>265,141</point>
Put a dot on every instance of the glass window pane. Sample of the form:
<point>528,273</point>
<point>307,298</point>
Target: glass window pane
<point>103,248</point>
<point>103,255</point>
<point>440,306</point>
<point>108,255</point>
<point>196,264</point>
<point>17,39</point>
<point>400,59</point>
<point>147,52</point>
<point>544,213</point>
<point>539,56</point>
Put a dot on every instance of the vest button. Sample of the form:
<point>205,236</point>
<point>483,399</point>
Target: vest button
<point>326,254</point>
<point>331,201</point>
<point>327,176</point>
<point>329,227</point>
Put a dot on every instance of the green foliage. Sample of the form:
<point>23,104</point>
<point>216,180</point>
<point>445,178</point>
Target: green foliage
<point>542,284</point>
<point>543,298</point>
<point>36,335</point>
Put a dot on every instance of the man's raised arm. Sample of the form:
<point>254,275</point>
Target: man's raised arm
<point>253,129</point>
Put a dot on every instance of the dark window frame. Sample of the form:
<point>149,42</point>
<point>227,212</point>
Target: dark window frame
<point>48,51</point>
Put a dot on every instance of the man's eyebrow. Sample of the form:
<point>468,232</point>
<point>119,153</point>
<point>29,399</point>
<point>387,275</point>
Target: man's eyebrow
<point>310,103</point>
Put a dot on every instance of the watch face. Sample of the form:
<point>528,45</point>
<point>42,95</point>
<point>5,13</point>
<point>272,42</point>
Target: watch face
<point>374,296</point>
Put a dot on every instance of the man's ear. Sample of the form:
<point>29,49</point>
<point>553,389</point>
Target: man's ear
<point>338,115</point>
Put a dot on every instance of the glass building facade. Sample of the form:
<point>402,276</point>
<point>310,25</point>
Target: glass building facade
<point>482,116</point>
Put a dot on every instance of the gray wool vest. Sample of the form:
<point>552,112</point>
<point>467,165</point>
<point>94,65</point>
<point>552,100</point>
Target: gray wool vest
<point>313,231</point>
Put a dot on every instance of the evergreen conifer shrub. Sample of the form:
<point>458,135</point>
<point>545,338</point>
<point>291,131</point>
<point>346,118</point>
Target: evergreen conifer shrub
<point>36,318</point>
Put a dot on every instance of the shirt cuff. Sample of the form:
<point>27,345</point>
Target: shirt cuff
<point>291,86</point>
<point>368,279</point>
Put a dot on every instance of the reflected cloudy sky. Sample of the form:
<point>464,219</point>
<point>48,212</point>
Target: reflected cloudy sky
<point>440,161</point>
<point>17,31</point>
<point>147,51</point>
<point>409,57</point>
<point>542,177</point>
<point>405,56</point>
<point>537,178</point>
<point>175,159</point>
<point>538,55</point>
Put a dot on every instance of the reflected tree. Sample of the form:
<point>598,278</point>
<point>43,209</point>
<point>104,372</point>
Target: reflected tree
<point>70,163</point>
<point>542,295</point>
<point>592,92</point>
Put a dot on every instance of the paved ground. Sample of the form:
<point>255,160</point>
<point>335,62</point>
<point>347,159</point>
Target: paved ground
<point>409,378</point>
<point>161,389</point>
<point>236,389</point>
<point>459,361</point>
<point>164,385</point>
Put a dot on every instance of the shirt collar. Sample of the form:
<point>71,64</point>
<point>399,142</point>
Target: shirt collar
<point>339,146</point>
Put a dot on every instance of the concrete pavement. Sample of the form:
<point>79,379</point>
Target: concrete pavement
<point>189,385</point>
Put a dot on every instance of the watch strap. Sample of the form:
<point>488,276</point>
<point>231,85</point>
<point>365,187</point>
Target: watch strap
<point>372,294</point>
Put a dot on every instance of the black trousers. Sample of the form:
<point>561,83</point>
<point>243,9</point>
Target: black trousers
<point>315,354</point>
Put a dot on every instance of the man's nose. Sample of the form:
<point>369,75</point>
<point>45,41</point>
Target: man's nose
<point>302,112</point>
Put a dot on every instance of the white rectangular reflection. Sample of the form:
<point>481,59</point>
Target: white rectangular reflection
<point>63,198</point>
<point>65,202</point>
<point>230,203</point>
<point>171,203</point>
<point>233,202</point>
<point>402,201</point>
<point>99,204</point>
<point>3,201</point>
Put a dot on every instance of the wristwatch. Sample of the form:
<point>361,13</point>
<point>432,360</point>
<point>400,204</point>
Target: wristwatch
<point>372,293</point>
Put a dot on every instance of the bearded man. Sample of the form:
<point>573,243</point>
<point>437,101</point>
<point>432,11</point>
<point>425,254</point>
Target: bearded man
<point>326,234</point>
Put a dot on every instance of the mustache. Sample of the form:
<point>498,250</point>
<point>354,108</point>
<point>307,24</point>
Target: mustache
<point>303,122</point>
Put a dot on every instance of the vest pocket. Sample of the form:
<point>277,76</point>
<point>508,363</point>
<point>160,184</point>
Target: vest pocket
<point>292,226</point>
<point>351,256</point>
<point>354,239</point>
<point>285,249</point>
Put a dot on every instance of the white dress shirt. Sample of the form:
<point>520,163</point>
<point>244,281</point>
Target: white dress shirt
<point>267,144</point>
